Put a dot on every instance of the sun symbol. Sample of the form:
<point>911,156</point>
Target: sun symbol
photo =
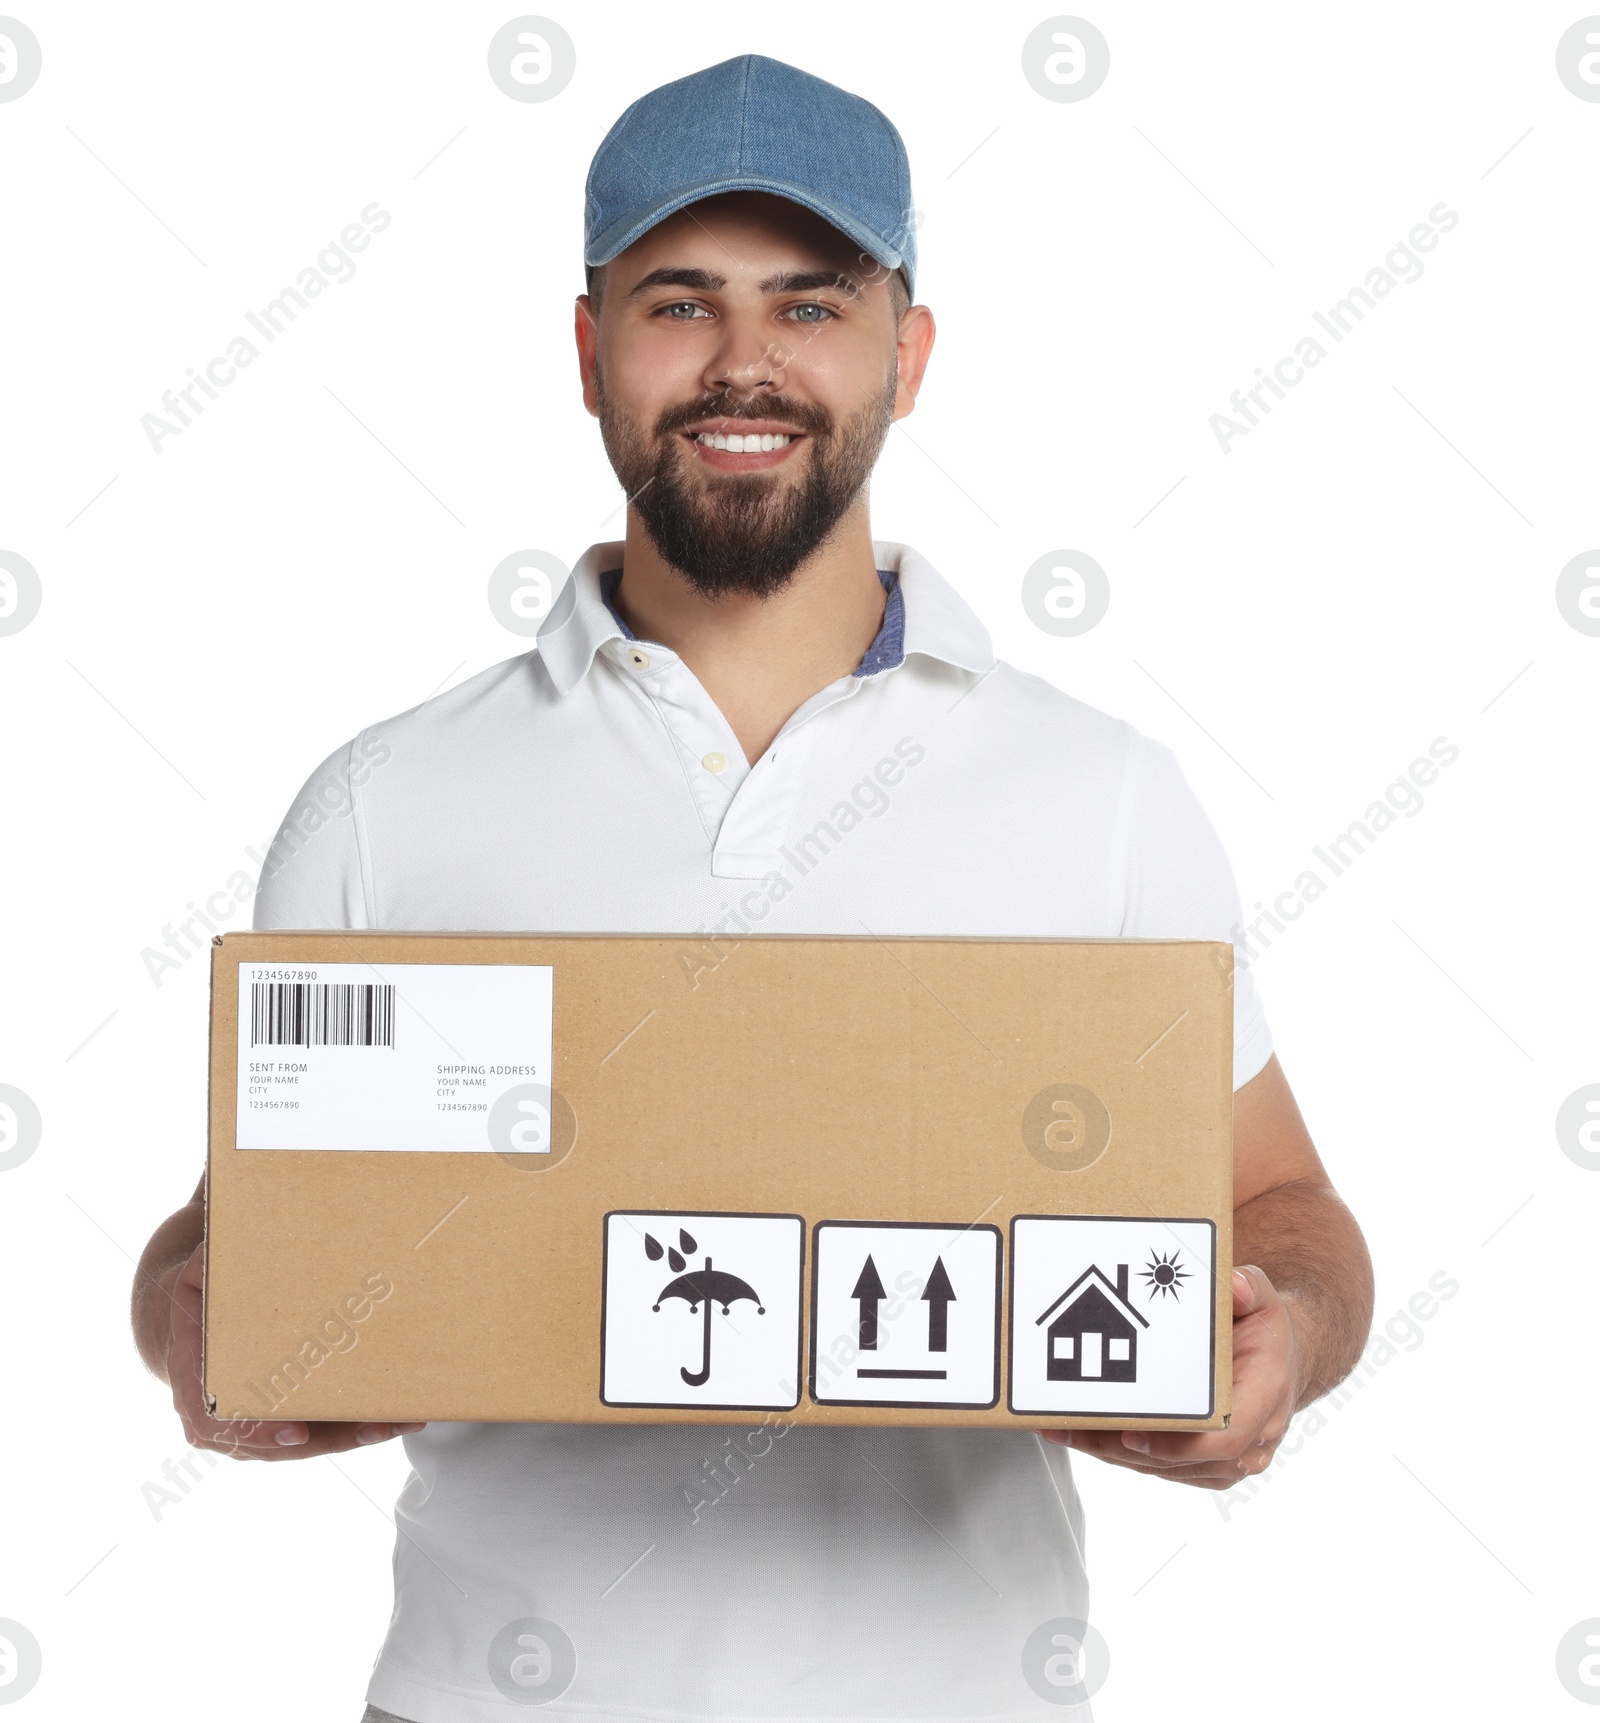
<point>1164,1275</point>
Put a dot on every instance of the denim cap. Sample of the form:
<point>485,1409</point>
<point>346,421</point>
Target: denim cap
<point>753,124</point>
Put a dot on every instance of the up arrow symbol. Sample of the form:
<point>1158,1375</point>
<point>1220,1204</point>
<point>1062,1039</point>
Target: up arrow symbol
<point>869,1289</point>
<point>938,1294</point>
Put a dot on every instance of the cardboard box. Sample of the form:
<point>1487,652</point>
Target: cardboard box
<point>657,1179</point>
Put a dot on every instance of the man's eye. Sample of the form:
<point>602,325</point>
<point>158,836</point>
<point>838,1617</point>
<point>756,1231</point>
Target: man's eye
<point>682,310</point>
<point>811,313</point>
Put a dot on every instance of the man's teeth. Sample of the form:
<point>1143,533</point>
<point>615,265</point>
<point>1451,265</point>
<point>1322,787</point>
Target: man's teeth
<point>736,445</point>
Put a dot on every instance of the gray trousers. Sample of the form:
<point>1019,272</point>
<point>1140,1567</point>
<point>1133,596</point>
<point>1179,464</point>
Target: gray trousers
<point>373,1715</point>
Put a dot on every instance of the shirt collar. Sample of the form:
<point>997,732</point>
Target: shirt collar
<point>931,620</point>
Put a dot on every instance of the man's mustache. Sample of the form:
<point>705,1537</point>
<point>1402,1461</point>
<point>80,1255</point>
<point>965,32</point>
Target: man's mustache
<point>813,421</point>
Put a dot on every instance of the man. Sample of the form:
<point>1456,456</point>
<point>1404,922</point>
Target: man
<point>701,694</point>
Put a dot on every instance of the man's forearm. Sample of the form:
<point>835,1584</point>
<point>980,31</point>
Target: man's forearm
<point>170,1246</point>
<point>1307,1243</point>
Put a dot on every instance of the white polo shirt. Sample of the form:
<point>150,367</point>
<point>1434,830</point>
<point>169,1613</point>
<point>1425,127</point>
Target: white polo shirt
<point>591,785</point>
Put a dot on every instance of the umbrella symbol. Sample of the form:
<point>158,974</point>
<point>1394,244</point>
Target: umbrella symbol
<point>699,1286</point>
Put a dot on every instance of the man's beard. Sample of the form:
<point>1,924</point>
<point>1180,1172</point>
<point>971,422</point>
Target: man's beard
<point>743,532</point>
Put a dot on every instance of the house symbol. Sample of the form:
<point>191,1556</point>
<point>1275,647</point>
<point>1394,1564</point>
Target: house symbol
<point>1094,1331</point>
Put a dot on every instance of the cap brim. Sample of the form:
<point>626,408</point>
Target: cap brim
<point>616,239</point>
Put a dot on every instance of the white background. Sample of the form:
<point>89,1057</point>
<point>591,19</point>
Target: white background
<point>1372,568</point>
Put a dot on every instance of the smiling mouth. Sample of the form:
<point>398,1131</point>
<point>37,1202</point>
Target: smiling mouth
<point>753,442</point>
<point>743,451</point>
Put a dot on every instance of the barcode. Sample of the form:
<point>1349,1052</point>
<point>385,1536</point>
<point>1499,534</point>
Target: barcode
<point>321,1014</point>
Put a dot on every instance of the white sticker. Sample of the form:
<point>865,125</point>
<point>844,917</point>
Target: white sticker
<point>1112,1317</point>
<point>905,1314</point>
<point>400,1056</point>
<point>701,1310</point>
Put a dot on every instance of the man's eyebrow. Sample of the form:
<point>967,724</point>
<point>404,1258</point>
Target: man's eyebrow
<point>707,281</point>
<point>696,280</point>
<point>803,280</point>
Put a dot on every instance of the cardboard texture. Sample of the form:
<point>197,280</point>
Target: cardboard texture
<point>837,1180</point>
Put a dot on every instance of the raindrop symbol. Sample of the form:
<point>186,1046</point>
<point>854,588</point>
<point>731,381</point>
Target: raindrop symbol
<point>689,1246</point>
<point>651,1248</point>
<point>678,1264</point>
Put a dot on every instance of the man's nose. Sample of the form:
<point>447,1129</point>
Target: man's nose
<point>747,364</point>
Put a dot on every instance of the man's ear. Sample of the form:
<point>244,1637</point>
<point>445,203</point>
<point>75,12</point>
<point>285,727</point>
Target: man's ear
<point>913,344</point>
<point>586,331</point>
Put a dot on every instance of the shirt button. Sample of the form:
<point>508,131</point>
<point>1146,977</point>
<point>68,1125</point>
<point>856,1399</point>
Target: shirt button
<point>714,762</point>
<point>639,660</point>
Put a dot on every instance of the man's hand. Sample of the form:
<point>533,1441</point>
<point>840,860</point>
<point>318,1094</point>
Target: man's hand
<point>1268,1373</point>
<point>1289,1347</point>
<point>243,1440</point>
